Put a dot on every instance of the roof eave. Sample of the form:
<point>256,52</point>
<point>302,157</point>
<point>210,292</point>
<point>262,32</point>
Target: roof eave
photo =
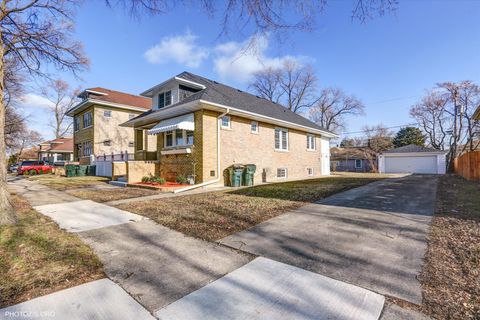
<point>149,92</point>
<point>89,102</point>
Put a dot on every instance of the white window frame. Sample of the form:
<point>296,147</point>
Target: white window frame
<point>286,173</point>
<point>252,124</point>
<point>311,140</point>
<point>229,126</point>
<point>109,112</point>
<point>174,139</point>
<point>310,172</point>
<point>280,140</point>
<point>164,93</point>
<point>84,148</point>
<point>361,164</point>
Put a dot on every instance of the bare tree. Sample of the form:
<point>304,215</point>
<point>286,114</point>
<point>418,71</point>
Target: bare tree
<point>446,116</point>
<point>33,33</point>
<point>292,85</point>
<point>377,138</point>
<point>266,84</point>
<point>63,98</point>
<point>23,140</point>
<point>431,116</point>
<point>261,16</point>
<point>333,106</point>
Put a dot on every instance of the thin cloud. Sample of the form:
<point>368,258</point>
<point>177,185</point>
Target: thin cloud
<point>182,49</point>
<point>238,61</point>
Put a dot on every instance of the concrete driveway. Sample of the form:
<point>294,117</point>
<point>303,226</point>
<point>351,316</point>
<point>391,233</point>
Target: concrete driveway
<point>373,236</point>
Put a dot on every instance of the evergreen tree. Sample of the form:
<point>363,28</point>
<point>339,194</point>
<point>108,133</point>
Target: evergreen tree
<point>409,135</point>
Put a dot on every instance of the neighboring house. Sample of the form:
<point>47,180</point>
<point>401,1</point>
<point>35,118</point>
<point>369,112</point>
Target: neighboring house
<point>96,121</point>
<point>28,154</point>
<point>412,159</point>
<point>56,150</point>
<point>202,127</point>
<point>351,160</point>
<point>476,115</point>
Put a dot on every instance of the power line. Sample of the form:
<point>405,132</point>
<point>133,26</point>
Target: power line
<point>375,129</point>
<point>393,99</point>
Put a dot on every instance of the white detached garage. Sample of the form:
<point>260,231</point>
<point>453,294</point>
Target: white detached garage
<point>412,159</point>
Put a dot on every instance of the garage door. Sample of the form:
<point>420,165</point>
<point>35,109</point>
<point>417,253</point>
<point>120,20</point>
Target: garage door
<point>411,164</point>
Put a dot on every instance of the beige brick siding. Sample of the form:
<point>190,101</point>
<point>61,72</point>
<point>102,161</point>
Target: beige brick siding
<point>108,128</point>
<point>240,146</point>
<point>83,134</point>
<point>138,169</point>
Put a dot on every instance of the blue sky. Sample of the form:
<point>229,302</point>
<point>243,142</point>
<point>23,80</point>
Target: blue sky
<point>388,62</point>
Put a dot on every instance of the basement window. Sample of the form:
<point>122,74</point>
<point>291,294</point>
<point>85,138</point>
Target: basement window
<point>282,173</point>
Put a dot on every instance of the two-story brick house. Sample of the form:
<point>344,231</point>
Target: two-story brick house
<point>97,120</point>
<point>203,127</point>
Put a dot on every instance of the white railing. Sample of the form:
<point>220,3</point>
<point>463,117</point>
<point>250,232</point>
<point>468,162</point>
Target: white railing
<point>122,156</point>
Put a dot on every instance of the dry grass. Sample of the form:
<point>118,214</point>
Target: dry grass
<point>37,257</point>
<point>212,216</point>
<point>64,183</point>
<point>451,273</point>
<point>106,195</point>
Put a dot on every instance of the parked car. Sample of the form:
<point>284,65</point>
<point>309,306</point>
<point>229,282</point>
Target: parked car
<point>13,168</point>
<point>34,167</point>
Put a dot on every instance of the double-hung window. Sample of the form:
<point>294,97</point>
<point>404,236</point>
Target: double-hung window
<point>87,119</point>
<point>87,148</point>
<point>178,138</point>
<point>76,124</point>
<point>169,139</point>
<point>164,99</point>
<point>281,139</point>
<point>310,142</point>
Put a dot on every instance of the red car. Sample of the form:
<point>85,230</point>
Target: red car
<point>34,166</point>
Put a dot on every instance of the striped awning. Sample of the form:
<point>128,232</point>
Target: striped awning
<point>185,122</point>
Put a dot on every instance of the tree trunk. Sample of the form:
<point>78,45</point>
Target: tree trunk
<point>7,213</point>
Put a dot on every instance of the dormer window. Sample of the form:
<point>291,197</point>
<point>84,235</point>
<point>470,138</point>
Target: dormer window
<point>164,99</point>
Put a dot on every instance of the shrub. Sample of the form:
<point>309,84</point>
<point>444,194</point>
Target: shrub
<point>25,173</point>
<point>157,180</point>
<point>146,179</point>
<point>182,179</point>
<point>40,171</point>
<point>32,172</point>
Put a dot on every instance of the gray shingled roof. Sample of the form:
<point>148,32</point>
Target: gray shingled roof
<point>412,148</point>
<point>222,94</point>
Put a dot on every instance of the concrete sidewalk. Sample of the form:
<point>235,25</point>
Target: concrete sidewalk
<point>86,215</point>
<point>265,289</point>
<point>157,265</point>
<point>100,300</point>
<point>37,194</point>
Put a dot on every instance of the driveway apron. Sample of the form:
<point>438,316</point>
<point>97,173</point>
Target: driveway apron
<point>373,236</point>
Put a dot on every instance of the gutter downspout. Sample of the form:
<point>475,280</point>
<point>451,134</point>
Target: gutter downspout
<point>203,184</point>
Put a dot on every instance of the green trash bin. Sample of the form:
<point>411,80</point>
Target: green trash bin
<point>236,173</point>
<point>248,174</point>
<point>70,170</point>
<point>82,171</point>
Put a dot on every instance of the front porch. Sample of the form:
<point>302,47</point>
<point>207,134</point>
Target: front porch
<point>165,150</point>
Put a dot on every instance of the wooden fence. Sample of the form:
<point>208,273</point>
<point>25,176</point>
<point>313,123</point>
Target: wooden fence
<point>468,165</point>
